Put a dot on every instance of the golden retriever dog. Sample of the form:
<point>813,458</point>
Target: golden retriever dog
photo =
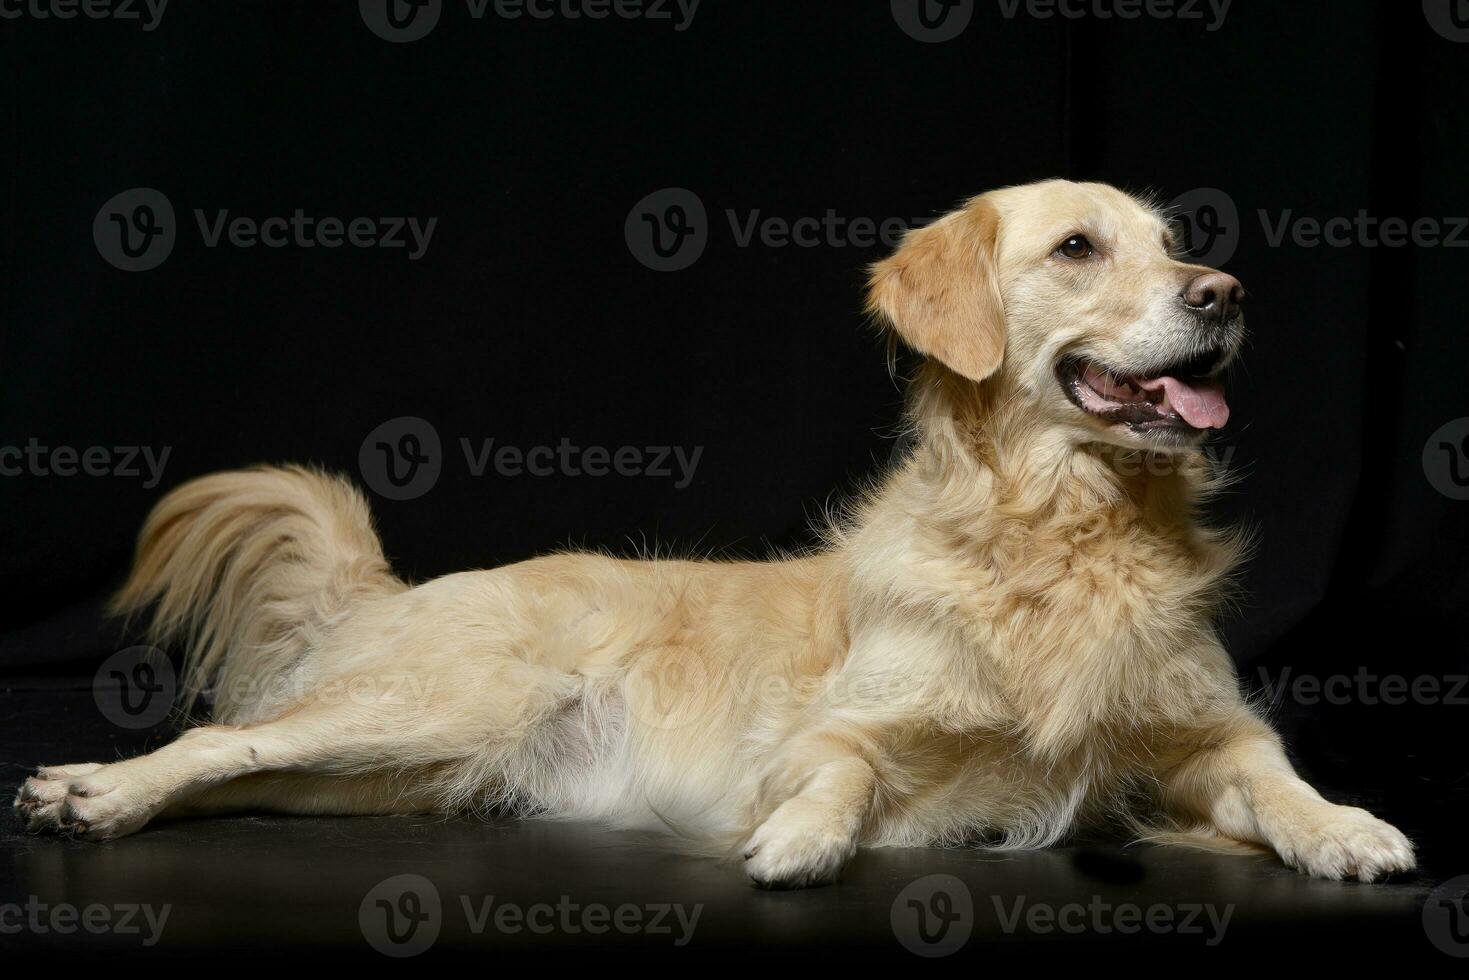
<point>1008,639</point>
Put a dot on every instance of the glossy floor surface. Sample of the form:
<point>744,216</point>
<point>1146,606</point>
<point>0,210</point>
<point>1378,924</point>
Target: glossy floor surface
<point>447,888</point>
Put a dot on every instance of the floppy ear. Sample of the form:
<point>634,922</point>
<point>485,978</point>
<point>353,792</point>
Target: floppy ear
<point>940,291</point>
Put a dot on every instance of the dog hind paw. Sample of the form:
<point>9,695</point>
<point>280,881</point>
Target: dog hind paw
<point>78,801</point>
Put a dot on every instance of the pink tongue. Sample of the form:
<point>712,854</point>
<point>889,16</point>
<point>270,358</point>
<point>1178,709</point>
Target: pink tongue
<point>1200,403</point>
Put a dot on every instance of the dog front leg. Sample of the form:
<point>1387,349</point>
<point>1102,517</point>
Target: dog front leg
<point>808,837</point>
<point>1246,789</point>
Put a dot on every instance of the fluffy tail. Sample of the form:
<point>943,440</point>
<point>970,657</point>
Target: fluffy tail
<point>244,569</point>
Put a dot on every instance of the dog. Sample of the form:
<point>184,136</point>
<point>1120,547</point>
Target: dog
<point>1009,638</point>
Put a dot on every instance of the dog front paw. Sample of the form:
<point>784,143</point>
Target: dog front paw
<point>799,846</point>
<point>1345,841</point>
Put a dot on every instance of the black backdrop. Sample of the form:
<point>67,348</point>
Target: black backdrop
<point>530,319</point>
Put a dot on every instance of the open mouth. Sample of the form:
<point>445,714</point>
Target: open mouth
<point>1183,398</point>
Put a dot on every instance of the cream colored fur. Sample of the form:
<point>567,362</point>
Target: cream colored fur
<point>1010,638</point>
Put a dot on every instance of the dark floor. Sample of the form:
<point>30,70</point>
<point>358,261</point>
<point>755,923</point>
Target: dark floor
<point>285,887</point>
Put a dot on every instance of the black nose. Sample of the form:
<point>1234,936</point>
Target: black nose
<point>1215,296</point>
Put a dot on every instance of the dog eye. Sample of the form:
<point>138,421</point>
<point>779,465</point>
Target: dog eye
<point>1076,247</point>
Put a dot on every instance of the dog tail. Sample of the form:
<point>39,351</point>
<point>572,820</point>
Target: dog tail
<point>245,568</point>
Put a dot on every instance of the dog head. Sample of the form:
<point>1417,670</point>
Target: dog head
<point>1069,297</point>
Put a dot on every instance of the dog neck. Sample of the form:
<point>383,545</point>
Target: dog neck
<point>983,450</point>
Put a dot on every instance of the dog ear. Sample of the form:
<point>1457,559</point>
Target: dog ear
<point>940,291</point>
